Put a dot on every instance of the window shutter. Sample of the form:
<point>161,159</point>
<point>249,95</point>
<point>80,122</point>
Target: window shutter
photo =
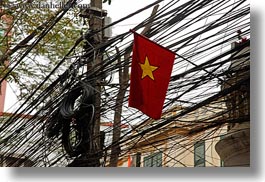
<point>199,154</point>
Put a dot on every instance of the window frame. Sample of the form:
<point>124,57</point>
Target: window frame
<point>153,160</point>
<point>199,158</point>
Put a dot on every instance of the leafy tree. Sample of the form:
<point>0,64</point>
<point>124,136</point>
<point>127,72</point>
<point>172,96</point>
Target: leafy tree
<point>29,20</point>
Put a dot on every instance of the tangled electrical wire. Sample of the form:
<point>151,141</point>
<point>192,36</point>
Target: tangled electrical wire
<point>57,126</point>
<point>74,121</point>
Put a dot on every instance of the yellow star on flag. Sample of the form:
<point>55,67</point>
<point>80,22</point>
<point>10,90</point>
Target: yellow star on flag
<point>147,69</point>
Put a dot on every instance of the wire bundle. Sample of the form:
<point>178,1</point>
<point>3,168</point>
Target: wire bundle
<point>201,34</point>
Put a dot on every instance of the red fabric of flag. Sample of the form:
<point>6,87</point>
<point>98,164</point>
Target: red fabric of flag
<point>150,74</point>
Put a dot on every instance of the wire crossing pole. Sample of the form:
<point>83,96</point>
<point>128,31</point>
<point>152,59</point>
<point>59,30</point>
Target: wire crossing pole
<point>95,16</point>
<point>96,23</point>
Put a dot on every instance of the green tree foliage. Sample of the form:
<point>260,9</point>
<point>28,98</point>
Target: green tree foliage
<point>28,16</point>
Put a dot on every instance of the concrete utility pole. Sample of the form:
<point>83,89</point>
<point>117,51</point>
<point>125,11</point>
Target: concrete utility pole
<point>95,15</point>
<point>95,24</point>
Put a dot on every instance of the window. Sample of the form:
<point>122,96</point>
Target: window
<point>199,154</point>
<point>154,160</point>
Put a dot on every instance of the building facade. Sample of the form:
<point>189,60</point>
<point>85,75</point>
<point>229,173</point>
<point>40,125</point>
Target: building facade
<point>179,144</point>
<point>234,148</point>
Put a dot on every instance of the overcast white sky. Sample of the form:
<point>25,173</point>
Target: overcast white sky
<point>122,8</point>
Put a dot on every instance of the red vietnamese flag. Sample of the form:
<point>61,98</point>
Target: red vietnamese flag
<point>150,74</point>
